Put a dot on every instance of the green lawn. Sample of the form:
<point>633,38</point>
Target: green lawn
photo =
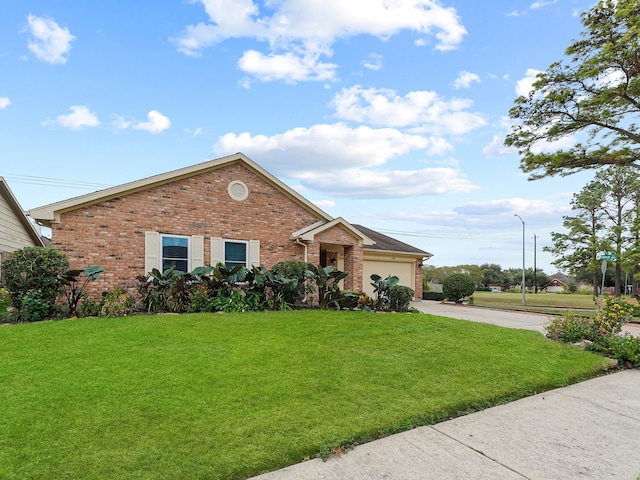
<point>213,396</point>
<point>551,303</point>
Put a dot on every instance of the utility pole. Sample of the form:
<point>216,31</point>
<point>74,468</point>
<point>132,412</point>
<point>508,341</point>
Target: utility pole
<point>535,278</point>
<point>523,279</point>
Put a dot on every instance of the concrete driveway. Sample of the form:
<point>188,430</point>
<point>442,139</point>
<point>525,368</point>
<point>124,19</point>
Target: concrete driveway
<point>503,318</point>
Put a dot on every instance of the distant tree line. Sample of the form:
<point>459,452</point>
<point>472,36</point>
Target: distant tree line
<point>488,274</point>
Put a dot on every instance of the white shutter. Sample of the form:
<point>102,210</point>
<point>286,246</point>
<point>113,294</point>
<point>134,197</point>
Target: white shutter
<point>197,251</point>
<point>216,251</point>
<point>151,251</point>
<point>254,253</point>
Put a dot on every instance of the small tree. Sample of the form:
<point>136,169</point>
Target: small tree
<point>35,273</point>
<point>458,286</point>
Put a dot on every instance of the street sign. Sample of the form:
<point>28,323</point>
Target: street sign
<point>605,256</point>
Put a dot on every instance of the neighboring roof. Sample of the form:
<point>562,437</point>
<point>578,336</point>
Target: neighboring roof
<point>311,231</point>
<point>388,244</point>
<point>560,277</point>
<point>51,213</point>
<point>11,200</point>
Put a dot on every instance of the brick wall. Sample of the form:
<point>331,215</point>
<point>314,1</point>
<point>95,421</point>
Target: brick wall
<point>418,287</point>
<point>111,233</point>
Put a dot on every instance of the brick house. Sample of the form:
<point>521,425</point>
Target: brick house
<point>16,231</point>
<point>227,210</point>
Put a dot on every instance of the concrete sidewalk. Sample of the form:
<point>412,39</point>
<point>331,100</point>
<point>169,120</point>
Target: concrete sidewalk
<point>590,430</point>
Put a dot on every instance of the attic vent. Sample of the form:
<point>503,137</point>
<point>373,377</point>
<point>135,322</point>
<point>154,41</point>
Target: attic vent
<point>238,190</point>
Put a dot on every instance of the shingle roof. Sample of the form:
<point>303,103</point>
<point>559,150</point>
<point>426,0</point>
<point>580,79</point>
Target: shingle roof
<point>386,243</point>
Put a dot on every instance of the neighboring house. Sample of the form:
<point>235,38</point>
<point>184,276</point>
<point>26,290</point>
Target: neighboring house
<point>227,210</point>
<point>16,231</point>
<point>558,283</point>
<point>495,287</point>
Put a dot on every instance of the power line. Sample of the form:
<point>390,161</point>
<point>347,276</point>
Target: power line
<point>445,236</point>
<point>55,182</point>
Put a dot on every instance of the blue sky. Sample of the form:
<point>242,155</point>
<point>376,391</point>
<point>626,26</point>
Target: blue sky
<point>390,114</point>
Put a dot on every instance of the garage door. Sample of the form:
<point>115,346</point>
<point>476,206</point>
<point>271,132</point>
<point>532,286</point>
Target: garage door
<point>404,271</point>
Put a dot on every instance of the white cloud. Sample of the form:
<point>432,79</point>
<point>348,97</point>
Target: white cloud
<point>327,146</point>
<point>346,161</point>
<point>4,102</point>
<point>306,29</point>
<point>524,86</point>
<point>541,4</point>
<point>324,203</point>
<point>553,146</point>
<point>156,123</point>
<point>509,206</point>
<point>120,123</point>
<point>465,79</point>
<point>363,183</point>
<point>79,117</point>
<point>425,111</point>
<point>50,42</point>
<point>498,148</point>
<point>373,62</point>
<point>288,67</point>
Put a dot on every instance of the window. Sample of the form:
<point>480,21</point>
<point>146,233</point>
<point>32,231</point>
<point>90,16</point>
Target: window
<point>235,253</point>
<point>175,252</point>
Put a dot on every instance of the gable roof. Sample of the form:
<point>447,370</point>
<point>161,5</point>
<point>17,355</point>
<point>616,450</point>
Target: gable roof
<point>388,244</point>
<point>311,231</point>
<point>15,207</point>
<point>48,214</point>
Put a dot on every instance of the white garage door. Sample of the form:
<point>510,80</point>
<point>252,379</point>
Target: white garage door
<point>404,271</point>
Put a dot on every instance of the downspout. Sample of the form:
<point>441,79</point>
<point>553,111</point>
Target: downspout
<point>306,259</point>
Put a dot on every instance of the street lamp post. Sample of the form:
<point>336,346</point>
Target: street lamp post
<point>523,299</point>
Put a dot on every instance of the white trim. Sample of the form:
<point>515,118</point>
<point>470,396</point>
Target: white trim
<point>151,251</point>
<point>197,251</point>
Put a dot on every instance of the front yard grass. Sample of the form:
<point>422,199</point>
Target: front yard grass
<point>211,396</point>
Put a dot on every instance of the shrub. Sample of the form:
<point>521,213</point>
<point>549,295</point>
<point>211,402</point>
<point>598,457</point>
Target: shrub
<point>35,273</point>
<point>364,301</point>
<point>400,297</point>
<point>117,303</point>
<point>34,307</point>
<point>382,290</point>
<point>88,307</point>
<point>200,300</point>
<point>624,348</point>
<point>326,283</point>
<point>5,301</point>
<point>569,328</point>
<point>348,299</point>
<point>293,269</point>
<point>614,313</point>
<point>458,286</point>
<point>436,296</point>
